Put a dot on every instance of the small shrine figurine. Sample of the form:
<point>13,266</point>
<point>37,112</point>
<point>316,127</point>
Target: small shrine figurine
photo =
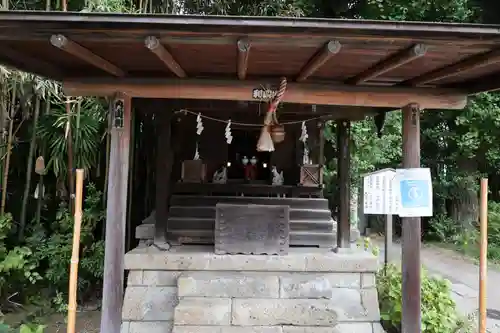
<point>220,176</point>
<point>277,177</point>
<point>250,169</point>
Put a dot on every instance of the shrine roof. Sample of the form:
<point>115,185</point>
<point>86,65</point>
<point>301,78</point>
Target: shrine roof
<point>73,46</point>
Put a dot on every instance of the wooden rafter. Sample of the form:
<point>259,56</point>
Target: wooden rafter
<point>76,50</point>
<point>319,59</point>
<point>327,94</point>
<point>16,58</point>
<point>467,64</point>
<point>243,55</point>
<point>154,45</point>
<point>393,61</point>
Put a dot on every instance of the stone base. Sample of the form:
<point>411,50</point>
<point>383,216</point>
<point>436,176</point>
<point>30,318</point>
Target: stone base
<point>189,289</point>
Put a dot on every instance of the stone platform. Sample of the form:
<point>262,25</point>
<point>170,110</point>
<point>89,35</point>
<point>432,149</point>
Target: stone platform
<point>190,289</point>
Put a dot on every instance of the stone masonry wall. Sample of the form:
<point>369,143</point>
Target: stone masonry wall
<point>200,292</point>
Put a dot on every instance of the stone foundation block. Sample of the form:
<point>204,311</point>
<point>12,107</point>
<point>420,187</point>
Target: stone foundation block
<point>203,311</point>
<point>357,261</point>
<point>368,280</point>
<point>304,312</point>
<point>135,278</point>
<point>339,328</point>
<point>296,261</point>
<point>369,300</point>
<point>228,285</point>
<point>227,329</point>
<point>146,326</point>
<point>316,286</point>
<point>161,278</point>
<point>149,303</point>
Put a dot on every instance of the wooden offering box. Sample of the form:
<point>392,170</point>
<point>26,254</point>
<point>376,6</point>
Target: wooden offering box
<point>311,175</point>
<point>193,171</point>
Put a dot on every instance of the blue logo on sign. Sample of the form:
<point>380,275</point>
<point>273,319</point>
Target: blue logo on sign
<point>414,193</point>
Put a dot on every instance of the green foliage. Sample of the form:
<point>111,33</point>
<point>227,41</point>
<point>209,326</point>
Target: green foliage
<point>15,265</point>
<point>87,118</point>
<point>52,248</point>
<point>438,308</point>
<point>24,328</point>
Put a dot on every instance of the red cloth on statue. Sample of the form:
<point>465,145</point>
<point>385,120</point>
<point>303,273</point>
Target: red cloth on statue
<point>250,171</point>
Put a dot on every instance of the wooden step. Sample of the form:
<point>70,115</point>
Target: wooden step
<point>204,223</point>
<point>297,238</point>
<point>197,200</point>
<point>209,212</point>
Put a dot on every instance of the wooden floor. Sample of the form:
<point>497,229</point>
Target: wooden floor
<point>248,190</point>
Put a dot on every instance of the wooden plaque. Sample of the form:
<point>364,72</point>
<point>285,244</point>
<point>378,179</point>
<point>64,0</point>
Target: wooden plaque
<point>252,229</point>
<point>311,175</point>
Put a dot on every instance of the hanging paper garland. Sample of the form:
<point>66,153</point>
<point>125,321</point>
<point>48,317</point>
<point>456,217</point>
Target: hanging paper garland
<point>199,124</point>
<point>303,138</point>
<point>199,129</point>
<point>303,134</point>
<point>228,134</point>
<point>196,153</point>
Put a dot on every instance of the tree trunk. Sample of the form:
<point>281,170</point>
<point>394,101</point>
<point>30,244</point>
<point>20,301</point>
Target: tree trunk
<point>9,148</point>
<point>29,170</point>
<point>69,142</point>
<point>464,205</point>
<point>41,190</point>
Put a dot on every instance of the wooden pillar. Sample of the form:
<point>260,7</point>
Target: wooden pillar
<point>411,227</point>
<point>321,153</point>
<point>163,175</point>
<point>116,216</point>
<point>343,165</point>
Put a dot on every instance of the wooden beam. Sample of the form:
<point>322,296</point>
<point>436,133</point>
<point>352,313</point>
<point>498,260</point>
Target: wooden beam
<point>344,183</point>
<point>302,93</point>
<point>75,49</point>
<point>319,59</point>
<point>394,61</point>
<point>18,59</point>
<point>411,227</point>
<point>116,216</point>
<point>467,64</point>
<point>154,45</point>
<point>243,55</point>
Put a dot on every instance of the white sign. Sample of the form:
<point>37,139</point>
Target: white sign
<point>415,191</point>
<point>380,196</point>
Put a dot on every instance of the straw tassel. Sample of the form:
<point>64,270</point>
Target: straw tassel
<point>265,142</point>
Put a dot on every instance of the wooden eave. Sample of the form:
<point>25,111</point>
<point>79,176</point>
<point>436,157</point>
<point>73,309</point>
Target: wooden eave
<point>361,58</point>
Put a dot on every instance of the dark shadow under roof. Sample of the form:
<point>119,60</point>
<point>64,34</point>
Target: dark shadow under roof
<point>354,52</point>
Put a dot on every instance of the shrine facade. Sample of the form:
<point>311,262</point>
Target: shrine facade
<point>240,237</point>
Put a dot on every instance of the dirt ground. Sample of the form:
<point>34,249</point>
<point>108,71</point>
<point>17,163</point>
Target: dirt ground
<point>86,322</point>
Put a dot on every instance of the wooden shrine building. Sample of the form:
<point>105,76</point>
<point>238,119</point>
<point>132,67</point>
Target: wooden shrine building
<point>207,82</point>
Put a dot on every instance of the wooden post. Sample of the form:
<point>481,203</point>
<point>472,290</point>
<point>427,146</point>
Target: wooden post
<point>321,153</point>
<point>164,156</point>
<point>411,227</point>
<point>116,216</point>
<point>388,239</point>
<point>483,259</point>
<point>343,165</point>
<point>73,274</point>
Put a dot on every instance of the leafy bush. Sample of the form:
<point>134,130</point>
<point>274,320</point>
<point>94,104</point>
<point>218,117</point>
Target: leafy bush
<point>439,314</point>
<point>15,265</point>
<point>52,248</point>
<point>24,328</point>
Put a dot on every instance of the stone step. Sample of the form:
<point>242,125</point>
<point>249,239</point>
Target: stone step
<point>204,223</point>
<point>197,200</point>
<point>209,212</point>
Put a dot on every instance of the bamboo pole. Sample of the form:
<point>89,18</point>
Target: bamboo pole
<point>483,255</point>
<point>73,277</point>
